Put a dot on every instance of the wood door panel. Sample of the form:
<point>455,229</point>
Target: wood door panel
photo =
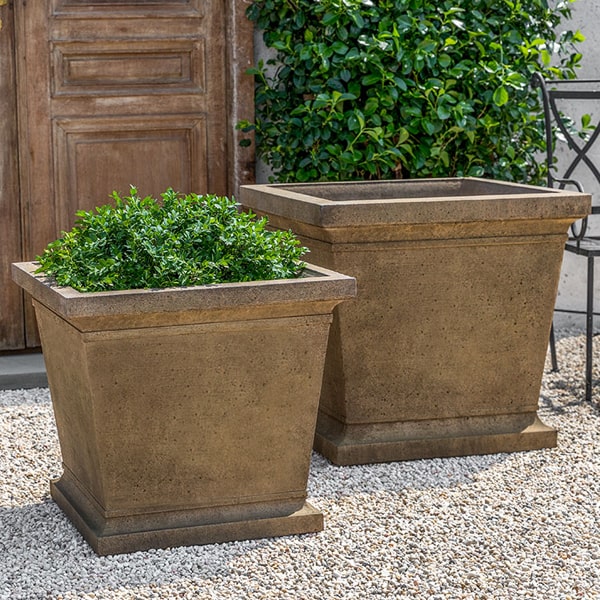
<point>129,68</point>
<point>131,7</point>
<point>136,102</point>
<point>96,156</point>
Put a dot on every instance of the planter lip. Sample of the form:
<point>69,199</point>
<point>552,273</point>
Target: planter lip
<point>414,201</point>
<point>317,284</point>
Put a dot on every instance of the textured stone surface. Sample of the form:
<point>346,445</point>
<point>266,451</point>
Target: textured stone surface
<point>442,352</point>
<point>190,426</point>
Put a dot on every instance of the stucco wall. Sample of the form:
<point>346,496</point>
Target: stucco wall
<point>572,289</point>
<point>586,17</point>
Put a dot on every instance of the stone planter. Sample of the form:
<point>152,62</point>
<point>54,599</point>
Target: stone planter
<point>186,415</point>
<point>442,352</point>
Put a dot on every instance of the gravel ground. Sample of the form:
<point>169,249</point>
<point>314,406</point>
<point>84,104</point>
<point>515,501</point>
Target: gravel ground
<point>510,526</point>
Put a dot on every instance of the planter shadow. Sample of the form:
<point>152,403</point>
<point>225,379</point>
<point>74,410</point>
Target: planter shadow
<point>442,352</point>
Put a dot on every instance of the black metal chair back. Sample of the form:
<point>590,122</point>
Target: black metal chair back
<point>556,121</point>
<point>559,96</point>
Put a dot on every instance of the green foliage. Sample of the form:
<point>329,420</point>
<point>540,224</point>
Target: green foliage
<point>181,241</point>
<point>406,88</point>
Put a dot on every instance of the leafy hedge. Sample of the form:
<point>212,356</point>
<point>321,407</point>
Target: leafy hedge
<point>181,241</point>
<point>365,89</point>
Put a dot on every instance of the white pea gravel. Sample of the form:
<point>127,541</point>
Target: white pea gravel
<point>503,526</point>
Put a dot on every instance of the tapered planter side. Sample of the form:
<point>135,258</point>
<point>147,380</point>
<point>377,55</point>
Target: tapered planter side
<point>442,352</point>
<point>186,415</point>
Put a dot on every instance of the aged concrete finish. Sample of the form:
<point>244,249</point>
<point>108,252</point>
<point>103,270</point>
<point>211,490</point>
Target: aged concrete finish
<point>442,352</point>
<point>180,430</point>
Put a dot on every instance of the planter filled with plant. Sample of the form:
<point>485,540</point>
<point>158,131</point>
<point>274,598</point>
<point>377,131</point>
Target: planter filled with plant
<point>442,352</point>
<point>184,345</point>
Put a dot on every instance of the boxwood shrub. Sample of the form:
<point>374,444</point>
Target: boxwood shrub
<point>183,240</point>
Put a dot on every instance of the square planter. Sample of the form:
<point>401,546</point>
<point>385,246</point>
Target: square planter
<point>442,352</point>
<point>186,415</point>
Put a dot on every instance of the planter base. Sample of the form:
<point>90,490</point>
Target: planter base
<point>139,532</point>
<point>345,444</point>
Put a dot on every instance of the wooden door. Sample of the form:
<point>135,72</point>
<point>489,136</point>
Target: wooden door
<point>119,92</point>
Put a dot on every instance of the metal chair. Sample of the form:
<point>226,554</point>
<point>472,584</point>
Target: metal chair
<point>574,153</point>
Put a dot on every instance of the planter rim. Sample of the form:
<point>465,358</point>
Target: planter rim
<point>317,284</point>
<point>414,201</point>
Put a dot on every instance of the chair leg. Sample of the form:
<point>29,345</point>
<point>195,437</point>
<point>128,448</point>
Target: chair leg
<point>553,358</point>
<point>589,329</point>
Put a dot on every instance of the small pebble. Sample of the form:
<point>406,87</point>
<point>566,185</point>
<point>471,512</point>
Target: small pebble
<point>498,527</point>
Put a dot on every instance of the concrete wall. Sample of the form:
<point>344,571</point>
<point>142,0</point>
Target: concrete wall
<point>586,18</point>
<point>572,289</point>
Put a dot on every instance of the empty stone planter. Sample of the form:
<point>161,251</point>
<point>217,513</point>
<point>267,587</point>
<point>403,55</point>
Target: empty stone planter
<point>442,352</point>
<point>186,415</point>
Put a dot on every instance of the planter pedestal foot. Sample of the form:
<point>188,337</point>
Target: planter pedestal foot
<point>138,532</point>
<point>345,444</point>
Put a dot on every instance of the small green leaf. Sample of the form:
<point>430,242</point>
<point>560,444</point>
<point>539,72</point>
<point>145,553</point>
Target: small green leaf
<point>585,121</point>
<point>546,57</point>
<point>443,112</point>
<point>500,97</point>
<point>371,79</point>
<point>444,60</point>
<point>339,47</point>
<point>330,18</point>
<point>428,126</point>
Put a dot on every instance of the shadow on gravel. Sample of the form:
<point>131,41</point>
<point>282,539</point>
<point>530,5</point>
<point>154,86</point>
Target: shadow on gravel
<point>43,556</point>
<point>397,477</point>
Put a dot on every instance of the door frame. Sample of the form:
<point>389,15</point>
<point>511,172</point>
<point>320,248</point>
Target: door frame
<point>12,331</point>
<point>240,105</point>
